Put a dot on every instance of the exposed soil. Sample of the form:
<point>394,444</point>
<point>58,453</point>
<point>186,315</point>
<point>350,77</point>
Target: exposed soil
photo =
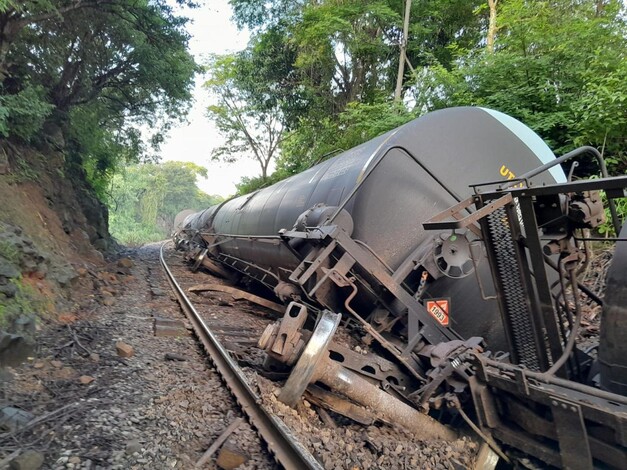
<point>51,227</point>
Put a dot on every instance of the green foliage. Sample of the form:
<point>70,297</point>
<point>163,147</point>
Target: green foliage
<point>558,66</point>
<point>248,185</point>
<point>102,150</point>
<point>262,14</point>
<point>145,199</point>
<point>9,252</point>
<point>601,113</point>
<point>317,139</point>
<point>607,228</point>
<point>22,114</point>
<point>133,233</point>
<point>438,30</point>
<point>22,172</point>
<point>330,66</point>
<point>27,300</point>
<point>99,72</point>
<point>251,126</point>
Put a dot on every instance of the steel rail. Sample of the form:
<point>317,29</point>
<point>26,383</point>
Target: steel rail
<point>286,449</point>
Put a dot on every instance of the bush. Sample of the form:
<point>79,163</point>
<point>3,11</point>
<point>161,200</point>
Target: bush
<point>131,232</point>
<point>22,115</point>
<point>27,300</point>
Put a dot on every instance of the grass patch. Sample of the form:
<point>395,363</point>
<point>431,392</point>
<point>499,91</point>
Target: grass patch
<point>9,252</point>
<point>135,234</point>
<point>21,172</point>
<point>27,300</point>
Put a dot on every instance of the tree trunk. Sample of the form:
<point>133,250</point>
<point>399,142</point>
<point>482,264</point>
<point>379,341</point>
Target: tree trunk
<point>9,27</point>
<point>401,60</point>
<point>491,26</point>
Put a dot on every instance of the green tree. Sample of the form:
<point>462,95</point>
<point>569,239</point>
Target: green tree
<point>97,71</point>
<point>557,66</point>
<point>17,16</point>
<point>144,199</point>
<point>331,66</point>
<point>252,127</point>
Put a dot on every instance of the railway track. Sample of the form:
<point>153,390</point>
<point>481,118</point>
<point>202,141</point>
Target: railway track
<point>335,441</point>
<point>280,441</point>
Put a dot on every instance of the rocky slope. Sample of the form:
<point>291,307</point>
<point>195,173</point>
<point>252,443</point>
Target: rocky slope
<point>51,227</point>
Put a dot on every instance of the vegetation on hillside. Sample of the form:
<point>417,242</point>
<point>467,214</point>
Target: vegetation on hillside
<point>145,199</point>
<point>327,72</point>
<point>86,76</point>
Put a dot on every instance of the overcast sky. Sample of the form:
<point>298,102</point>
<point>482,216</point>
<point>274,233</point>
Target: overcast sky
<point>212,32</point>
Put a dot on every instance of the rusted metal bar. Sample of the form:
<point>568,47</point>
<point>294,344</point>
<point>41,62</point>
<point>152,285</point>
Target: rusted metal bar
<point>384,405</point>
<point>237,295</point>
<point>437,222</point>
<point>216,268</point>
<point>337,404</point>
<point>218,442</point>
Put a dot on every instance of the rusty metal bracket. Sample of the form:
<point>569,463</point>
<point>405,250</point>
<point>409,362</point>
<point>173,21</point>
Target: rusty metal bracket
<point>438,222</point>
<point>374,366</point>
<point>238,294</point>
<point>288,334</point>
<point>198,261</point>
<point>572,434</point>
<point>310,264</point>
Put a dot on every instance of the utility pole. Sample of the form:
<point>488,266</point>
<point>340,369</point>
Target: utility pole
<point>403,55</point>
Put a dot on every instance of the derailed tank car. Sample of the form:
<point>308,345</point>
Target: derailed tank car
<point>453,243</point>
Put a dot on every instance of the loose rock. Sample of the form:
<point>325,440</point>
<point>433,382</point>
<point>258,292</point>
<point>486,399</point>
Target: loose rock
<point>231,457</point>
<point>14,349</point>
<point>86,379</point>
<point>174,357</point>
<point>29,460</point>
<point>124,350</point>
<point>13,419</point>
<point>125,263</point>
<point>133,446</point>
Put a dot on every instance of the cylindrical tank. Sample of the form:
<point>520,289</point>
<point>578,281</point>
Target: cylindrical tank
<point>422,168</point>
<point>613,344</point>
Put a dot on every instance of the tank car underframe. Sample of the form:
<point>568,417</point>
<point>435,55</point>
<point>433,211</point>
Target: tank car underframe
<point>540,402</point>
<point>537,398</point>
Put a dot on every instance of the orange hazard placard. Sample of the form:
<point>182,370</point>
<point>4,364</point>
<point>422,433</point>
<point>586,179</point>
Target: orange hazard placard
<point>439,309</point>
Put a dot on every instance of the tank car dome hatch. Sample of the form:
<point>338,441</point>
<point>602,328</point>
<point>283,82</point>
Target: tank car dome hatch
<point>389,186</point>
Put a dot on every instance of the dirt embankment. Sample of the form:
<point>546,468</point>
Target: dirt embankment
<point>51,227</point>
